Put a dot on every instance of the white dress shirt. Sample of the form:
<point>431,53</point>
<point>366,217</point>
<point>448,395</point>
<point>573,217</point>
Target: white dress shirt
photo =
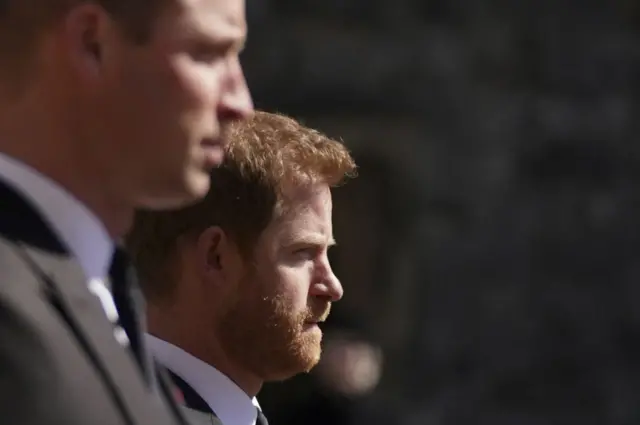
<point>79,229</point>
<point>230,404</point>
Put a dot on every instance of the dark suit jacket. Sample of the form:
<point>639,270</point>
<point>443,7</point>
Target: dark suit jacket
<point>59,361</point>
<point>193,406</point>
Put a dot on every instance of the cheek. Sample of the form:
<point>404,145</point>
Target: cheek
<point>293,285</point>
<point>199,84</point>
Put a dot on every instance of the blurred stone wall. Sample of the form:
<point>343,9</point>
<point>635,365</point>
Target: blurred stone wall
<point>492,242</point>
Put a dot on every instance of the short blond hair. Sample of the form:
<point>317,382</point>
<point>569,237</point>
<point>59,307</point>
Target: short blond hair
<point>267,154</point>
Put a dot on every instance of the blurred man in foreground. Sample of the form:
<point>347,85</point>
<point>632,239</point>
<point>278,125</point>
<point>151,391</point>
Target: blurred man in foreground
<point>105,106</point>
<point>238,283</point>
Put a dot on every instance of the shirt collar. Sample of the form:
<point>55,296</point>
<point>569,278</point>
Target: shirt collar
<point>229,402</point>
<point>80,230</point>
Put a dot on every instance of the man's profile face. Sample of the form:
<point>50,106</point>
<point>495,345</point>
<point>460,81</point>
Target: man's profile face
<point>270,327</point>
<point>165,105</point>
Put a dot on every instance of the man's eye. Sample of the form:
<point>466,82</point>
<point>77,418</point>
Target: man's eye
<point>208,52</point>
<point>205,56</point>
<point>306,253</point>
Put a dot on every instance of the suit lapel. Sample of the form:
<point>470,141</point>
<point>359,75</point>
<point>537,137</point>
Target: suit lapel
<point>192,404</point>
<point>65,285</point>
<point>168,389</point>
<point>67,290</point>
<point>189,396</point>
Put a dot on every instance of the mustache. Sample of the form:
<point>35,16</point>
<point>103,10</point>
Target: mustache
<point>317,313</point>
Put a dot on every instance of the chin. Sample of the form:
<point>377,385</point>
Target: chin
<point>308,359</point>
<point>189,192</point>
<point>286,366</point>
<point>197,184</point>
<point>296,369</point>
<point>159,202</point>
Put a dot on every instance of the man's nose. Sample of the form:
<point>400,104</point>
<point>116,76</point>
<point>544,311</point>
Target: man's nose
<point>335,288</point>
<point>328,287</point>
<point>236,102</point>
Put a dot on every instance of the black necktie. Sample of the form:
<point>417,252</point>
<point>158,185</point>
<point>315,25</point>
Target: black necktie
<point>130,305</point>
<point>261,420</point>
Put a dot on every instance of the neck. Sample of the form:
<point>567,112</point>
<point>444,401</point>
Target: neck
<point>39,142</point>
<point>164,325</point>
<point>247,381</point>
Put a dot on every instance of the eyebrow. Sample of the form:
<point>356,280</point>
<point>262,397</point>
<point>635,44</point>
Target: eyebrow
<point>309,238</point>
<point>212,36</point>
<point>217,42</point>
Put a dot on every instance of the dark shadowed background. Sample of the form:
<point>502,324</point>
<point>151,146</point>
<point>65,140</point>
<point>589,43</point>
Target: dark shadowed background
<point>490,249</point>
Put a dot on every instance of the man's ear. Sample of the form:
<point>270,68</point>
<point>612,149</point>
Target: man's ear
<point>88,33</point>
<point>216,255</point>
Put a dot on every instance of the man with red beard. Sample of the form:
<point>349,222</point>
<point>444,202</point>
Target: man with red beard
<point>237,284</point>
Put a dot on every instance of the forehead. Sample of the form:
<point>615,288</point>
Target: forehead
<point>221,18</point>
<point>307,214</point>
<point>309,202</point>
